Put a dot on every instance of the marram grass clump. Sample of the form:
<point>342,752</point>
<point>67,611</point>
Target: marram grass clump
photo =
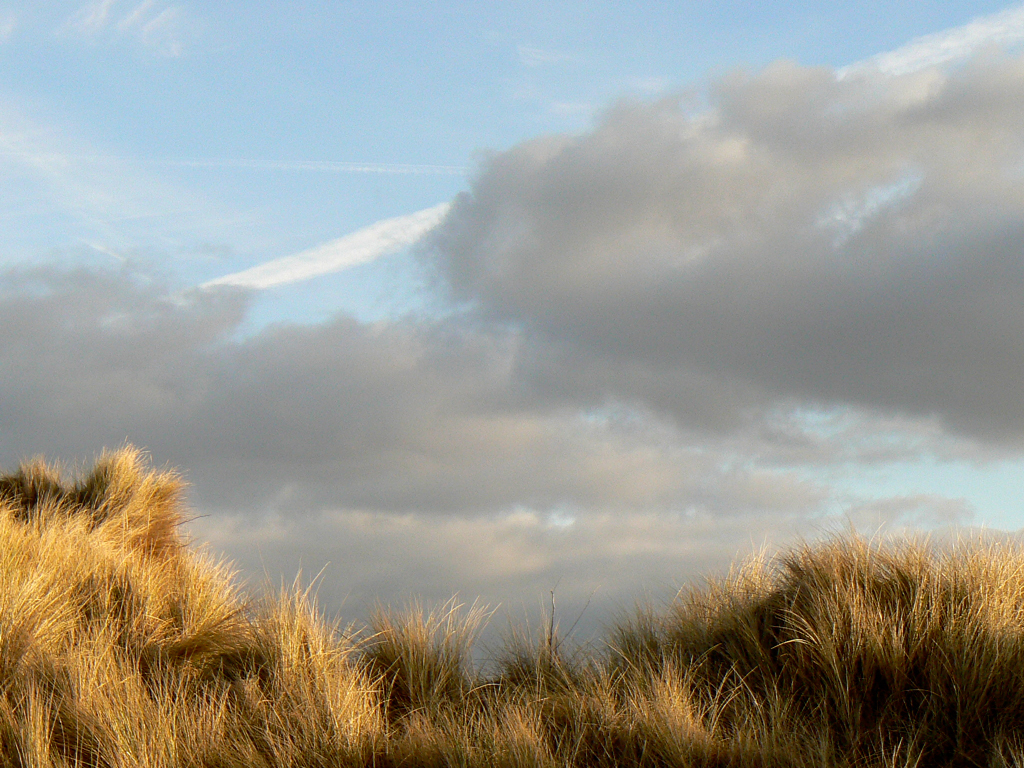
<point>119,646</point>
<point>122,646</point>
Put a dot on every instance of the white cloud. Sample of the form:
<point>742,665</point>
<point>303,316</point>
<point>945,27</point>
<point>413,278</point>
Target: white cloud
<point>359,247</point>
<point>161,31</point>
<point>136,17</point>
<point>8,23</point>
<point>159,27</point>
<point>529,56</point>
<point>91,18</point>
<point>1003,28</point>
<point>572,108</point>
<point>648,86</point>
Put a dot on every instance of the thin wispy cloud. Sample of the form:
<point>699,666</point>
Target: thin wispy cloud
<point>359,247</point>
<point>120,200</point>
<point>91,18</point>
<point>1004,28</point>
<point>572,108</point>
<point>137,17</point>
<point>56,177</point>
<point>157,26</point>
<point>24,155</point>
<point>649,86</point>
<point>530,56</point>
<point>8,23</point>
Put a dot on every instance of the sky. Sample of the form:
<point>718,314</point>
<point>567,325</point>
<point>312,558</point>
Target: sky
<point>499,299</point>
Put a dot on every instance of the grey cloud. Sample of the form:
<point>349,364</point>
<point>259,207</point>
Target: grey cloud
<point>665,327</point>
<point>90,357</point>
<point>603,563</point>
<point>511,562</point>
<point>402,416</point>
<point>916,512</point>
<point>419,458</point>
<point>807,240</point>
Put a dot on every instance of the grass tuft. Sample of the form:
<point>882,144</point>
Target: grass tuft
<point>422,660</point>
<point>120,645</point>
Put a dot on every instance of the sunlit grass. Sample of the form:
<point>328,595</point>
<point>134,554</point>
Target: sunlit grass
<point>120,645</point>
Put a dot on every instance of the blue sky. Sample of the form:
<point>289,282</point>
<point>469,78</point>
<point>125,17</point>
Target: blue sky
<point>605,294</point>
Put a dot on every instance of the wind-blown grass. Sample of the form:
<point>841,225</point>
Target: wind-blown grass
<point>120,645</point>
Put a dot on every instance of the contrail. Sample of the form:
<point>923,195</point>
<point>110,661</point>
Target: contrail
<point>359,247</point>
<point>1003,28</point>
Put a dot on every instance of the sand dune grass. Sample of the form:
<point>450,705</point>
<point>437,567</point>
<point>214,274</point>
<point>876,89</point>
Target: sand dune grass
<point>120,645</point>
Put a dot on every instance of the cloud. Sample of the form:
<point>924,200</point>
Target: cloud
<point>829,243</point>
<point>604,563</point>
<point>648,86</point>
<point>390,417</point>
<point>921,511</point>
<point>387,449</point>
<point>405,453</point>
<point>359,247</point>
<point>91,18</point>
<point>57,182</point>
<point>1003,28</point>
<point>139,16</point>
<point>571,108</point>
<point>671,329</point>
<point>530,56</point>
<point>157,26</point>
<point>600,566</point>
<point>8,23</point>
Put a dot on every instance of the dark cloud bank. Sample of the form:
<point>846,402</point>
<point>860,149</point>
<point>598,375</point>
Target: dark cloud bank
<point>662,328</point>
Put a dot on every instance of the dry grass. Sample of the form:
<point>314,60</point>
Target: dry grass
<point>122,646</point>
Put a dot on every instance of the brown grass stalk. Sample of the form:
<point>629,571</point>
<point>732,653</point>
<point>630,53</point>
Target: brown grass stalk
<point>122,645</point>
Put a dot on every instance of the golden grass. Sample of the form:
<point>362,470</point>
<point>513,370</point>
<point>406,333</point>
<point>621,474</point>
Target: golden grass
<point>122,646</point>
